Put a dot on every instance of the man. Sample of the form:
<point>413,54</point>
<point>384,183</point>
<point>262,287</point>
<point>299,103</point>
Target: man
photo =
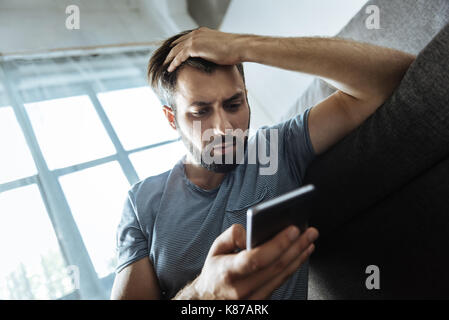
<point>181,233</point>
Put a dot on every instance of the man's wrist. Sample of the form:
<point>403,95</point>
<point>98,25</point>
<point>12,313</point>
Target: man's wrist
<point>245,44</point>
<point>254,48</point>
<point>189,292</point>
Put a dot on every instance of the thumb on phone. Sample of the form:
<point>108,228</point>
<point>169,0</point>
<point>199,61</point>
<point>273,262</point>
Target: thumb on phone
<point>231,239</point>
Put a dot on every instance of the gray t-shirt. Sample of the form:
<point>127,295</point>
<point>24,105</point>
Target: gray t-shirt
<point>174,222</point>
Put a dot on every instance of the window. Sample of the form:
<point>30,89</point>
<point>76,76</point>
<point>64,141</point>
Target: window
<point>13,147</point>
<point>150,163</point>
<point>75,133</point>
<point>96,197</point>
<point>69,131</point>
<point>137,117</point>
<point>32,265</point>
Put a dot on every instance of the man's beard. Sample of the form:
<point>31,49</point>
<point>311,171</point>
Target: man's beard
<point>223,165</point>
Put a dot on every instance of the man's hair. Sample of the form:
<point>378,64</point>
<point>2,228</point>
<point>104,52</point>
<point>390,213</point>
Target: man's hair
<point>164,82</point>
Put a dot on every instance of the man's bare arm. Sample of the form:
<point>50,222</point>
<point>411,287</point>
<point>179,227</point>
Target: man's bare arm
<point>364,74</point>
<point>136,282</point>
<point>364,71</point>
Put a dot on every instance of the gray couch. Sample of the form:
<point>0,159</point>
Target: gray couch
<point>383,191</point>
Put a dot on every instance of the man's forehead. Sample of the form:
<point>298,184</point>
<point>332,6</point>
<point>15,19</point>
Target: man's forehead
<point>196,85</point>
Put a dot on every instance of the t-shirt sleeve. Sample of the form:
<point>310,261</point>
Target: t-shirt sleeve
<point>295,143</point>
<point>131,243</point>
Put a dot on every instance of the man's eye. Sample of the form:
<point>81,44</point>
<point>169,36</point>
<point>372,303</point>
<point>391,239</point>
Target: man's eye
<point>234,106</point>
<point>199,113</point>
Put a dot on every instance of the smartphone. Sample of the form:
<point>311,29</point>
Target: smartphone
<point>268,218</point>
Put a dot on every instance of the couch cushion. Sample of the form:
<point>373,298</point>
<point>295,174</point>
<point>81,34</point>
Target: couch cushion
<point>405,236</point>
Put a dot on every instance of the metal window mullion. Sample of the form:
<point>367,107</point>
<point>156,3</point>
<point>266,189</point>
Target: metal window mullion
<point>18,183</point>
<point>63,222</point>
<point>84,165</point>
<point>155,145</point>
<point>122,155</point>
<point>65,253</point>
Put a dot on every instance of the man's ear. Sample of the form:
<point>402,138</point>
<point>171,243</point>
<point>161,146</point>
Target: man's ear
<point>170,115</point>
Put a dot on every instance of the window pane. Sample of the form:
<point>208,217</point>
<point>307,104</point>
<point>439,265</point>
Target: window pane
<point>3,99</point>
<point>96,196</point>
<point>69,131</point>
<point>15,160</point>
<point>137,117</point>
<point>157,160</point>
<point>32,266</point>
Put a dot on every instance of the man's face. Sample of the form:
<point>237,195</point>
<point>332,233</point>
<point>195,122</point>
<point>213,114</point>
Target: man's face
<point>217,102</point>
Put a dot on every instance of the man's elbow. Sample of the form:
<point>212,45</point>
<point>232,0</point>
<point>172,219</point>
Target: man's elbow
<point>391,83</point>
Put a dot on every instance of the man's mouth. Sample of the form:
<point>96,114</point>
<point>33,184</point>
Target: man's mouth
<point>224,148</point>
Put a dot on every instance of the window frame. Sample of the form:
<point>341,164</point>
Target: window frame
<point>69,237</point>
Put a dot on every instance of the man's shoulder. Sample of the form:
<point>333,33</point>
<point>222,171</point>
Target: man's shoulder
<point>267,134</point>
<point>149,185</point>
<point>145,196</point>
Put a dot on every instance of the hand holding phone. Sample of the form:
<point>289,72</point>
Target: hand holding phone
<point>268,218</point>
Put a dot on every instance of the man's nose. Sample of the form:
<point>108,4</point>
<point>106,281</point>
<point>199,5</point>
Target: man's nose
<point>221,123</point>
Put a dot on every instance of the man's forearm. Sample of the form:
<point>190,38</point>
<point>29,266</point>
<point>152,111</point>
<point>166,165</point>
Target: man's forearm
<point>361,70</point>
